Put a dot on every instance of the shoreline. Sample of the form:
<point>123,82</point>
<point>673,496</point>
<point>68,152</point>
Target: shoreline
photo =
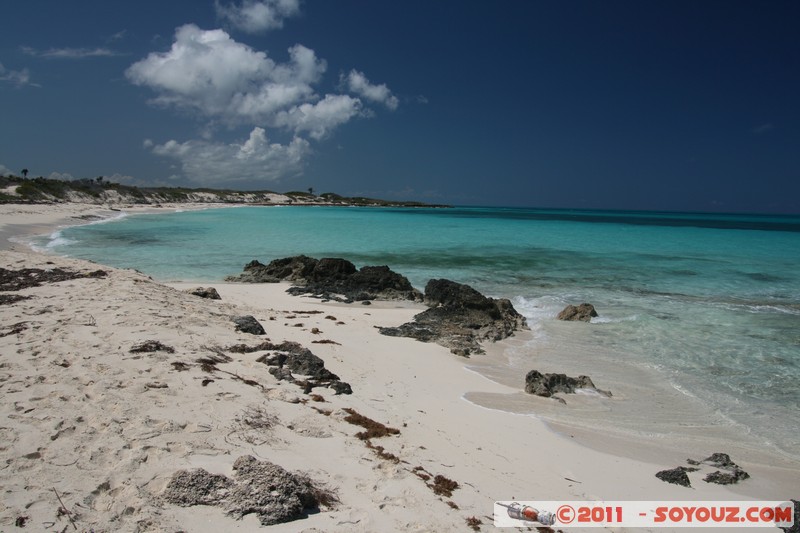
<point>631,416</point>
<point>20,222</point>
<point>419,388</point>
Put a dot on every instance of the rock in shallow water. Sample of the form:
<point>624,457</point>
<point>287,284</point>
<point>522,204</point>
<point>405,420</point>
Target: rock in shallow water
<point>582,313</point>
<point>331,276</point>
<point>548,384</point>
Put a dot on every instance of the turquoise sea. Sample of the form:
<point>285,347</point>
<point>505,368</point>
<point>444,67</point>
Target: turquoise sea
<point>708,306</point>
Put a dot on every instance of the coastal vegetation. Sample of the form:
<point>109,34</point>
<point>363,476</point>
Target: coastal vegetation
<point>21,189</point>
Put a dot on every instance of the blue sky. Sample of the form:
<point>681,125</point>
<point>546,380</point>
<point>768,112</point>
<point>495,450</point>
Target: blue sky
<point>679,105</point>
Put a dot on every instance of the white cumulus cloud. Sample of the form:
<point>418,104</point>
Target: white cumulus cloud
<point>253,16</point>
<point>255,159</point>
<point>319,118</point>
<point>356,82</point>
<point>210,73</point>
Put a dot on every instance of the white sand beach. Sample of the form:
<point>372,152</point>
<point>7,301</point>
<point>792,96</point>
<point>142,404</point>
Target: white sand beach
<point>91,426</point>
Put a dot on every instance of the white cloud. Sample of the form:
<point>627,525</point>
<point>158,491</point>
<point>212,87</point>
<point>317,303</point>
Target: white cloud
<point>358,83</point>
<point>255,159</point>
<point>4,170</point>
<point>257,16</point>
<point>224,82</point>
<point>212,74</point>
<point>70,53</point>
<point>320,118</point>
<point>20,78</point>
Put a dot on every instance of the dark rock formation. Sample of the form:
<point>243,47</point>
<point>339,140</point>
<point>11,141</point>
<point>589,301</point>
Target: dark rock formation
<point>331,270</point>
<point>209,293</point>
<point>676,476</point>
<point>380,282</point>
<point>733,472</point>
<point>460,318</point>
<point>446,293</point>
<point>295,268</point>
<point>289,358</point>
<point>583,313</point>
<point>548,384</point>
<point>727,478</point>
<point>329,277</point>
<point>718,460</point>
<point>248,324</point>
<point>299,360</point>
<point>260,487</point>
<point>281,373</point>
<point>341,387</point>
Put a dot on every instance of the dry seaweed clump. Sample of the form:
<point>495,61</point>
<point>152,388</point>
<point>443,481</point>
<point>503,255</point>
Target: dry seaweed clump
<point>443,486</point>
<point>374,429</point>
<point>474,523</point>
<point>14,280</point>
<point>259,487</point>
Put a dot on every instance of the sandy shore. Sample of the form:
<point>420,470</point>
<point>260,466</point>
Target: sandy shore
<point>19,222</point>
<point>86,420</point>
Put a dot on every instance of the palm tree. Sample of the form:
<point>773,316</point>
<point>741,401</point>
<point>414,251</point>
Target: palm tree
<point>311,191</point>
<point>24,172</point>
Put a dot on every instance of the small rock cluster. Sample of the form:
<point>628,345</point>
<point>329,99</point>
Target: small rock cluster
<point>290,358</point>
<point>459,317</point>
<point>248,324</point>
<point>728,472</point>
<point>209,293</point>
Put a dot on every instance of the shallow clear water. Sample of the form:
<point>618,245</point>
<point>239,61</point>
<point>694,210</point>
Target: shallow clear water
<point>708,303</point>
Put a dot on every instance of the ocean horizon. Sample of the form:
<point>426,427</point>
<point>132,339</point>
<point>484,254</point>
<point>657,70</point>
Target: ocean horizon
<point>699,313</point>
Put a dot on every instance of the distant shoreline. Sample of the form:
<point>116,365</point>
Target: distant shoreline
<point>17,190</point>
